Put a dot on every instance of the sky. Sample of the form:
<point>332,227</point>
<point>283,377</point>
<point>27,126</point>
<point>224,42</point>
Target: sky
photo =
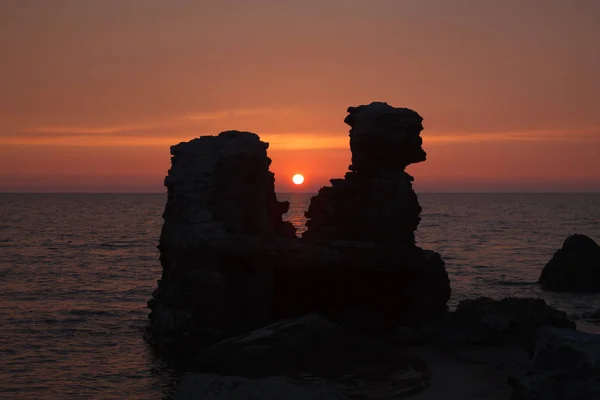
<point>93,92</point>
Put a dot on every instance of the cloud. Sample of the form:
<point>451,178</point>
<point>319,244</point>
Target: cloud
<point>591,134</point>
<point>156,127</point>
<point>168,130</point>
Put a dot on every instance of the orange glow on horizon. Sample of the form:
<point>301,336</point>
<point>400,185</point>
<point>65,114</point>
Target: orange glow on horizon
<point>522,114</point>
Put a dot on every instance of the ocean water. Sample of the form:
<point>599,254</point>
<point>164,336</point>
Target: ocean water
<point>77,270</point>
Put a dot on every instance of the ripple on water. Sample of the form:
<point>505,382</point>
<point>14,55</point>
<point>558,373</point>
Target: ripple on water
<point>77,271</point>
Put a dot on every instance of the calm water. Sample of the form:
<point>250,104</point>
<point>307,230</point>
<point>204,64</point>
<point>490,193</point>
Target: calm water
<point>77,271</point>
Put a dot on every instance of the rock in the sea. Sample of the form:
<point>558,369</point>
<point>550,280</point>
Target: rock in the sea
<point>565,366</point>
<point>574,268</point>
<point>508,321</point>
<point>196,386</point>
<point>230,264</point>
<point>369,219</point>
<point>221,206</point>
<point>375,202</point>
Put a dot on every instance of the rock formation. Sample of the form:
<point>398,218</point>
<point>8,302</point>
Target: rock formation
<point>221,205</point>
<point>574,268</point>
<point>372,214</point>
<point>230,264</point>
<point>375,202</point>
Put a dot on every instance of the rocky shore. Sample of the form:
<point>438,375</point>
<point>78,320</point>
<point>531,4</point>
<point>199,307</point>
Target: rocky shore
<point>353,309</point>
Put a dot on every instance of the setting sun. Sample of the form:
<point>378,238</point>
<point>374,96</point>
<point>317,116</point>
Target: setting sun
<point>298,179</point>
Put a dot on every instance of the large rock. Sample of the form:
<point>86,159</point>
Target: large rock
<point>565,365</point>
<point>368,219</point>
<point>230,264</point>
<point>221,207</point>
<point>574,268</point>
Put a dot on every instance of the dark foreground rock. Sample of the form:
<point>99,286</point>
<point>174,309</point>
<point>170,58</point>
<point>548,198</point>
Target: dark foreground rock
<point>314,356</point>
<point>310,349</point>
<point>195,386</point>
<point>574,268</point>
<point>565,366</point>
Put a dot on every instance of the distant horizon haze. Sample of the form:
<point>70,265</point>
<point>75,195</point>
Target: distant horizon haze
<point>93,93</point>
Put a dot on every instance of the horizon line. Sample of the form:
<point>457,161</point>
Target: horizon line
<point>314,193</point>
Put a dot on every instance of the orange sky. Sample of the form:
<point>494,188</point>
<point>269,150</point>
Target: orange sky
<point>93,93</point>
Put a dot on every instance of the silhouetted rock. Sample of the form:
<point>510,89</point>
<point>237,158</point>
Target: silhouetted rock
<point>373,213</point>
<point>565,365</point>
<point>196,386</point>
<point>573,268</point>
<point>384,138</point>
<point>230,264</point>
<point>375,202</point>
<point>221,206</point>
<point>508,321</point>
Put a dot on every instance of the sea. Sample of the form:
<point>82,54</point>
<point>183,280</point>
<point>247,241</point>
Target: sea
<point>77,270</point>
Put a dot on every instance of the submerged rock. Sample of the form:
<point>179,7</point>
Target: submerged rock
<point>574,268</point>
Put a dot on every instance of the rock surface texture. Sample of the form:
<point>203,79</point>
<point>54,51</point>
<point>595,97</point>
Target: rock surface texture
<point>574,268</point>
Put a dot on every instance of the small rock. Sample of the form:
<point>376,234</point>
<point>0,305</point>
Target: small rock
<point>574,268</point>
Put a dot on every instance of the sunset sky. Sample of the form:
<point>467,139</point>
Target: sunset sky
<point>93,93</point>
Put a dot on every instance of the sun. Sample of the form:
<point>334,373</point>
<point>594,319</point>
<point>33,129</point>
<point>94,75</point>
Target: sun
<point>298,179</point>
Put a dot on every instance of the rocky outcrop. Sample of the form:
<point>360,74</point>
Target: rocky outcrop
<point>574,268</point>
<point>373,212</point>
<point>565,365</point>
<point>230,264</point>
<point>375,202</point>
<point>221,206</point>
